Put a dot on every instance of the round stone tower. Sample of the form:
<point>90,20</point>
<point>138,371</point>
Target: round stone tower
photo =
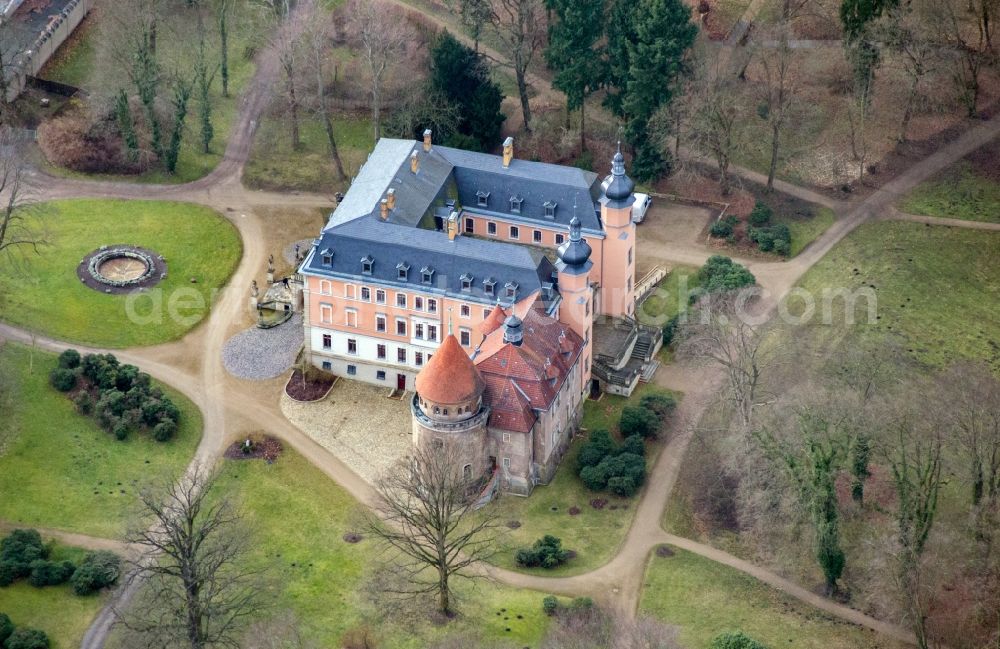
<point>448,410</point>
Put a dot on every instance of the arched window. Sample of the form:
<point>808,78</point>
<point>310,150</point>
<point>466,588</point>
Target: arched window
<point>437,411</point>
<point>446,412</point>
<point>467,471</point>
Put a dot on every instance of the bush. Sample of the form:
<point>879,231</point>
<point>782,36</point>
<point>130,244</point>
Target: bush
<point>670,329</point>
<point>63,379</point>
<point>721,230</point>
<point>597,447</point>
<point>594,478</point>
<point>723,274</point>
<point>6,628</point>
<point>17,552</point>
<point>84,403</point>
<point>760,215</point>
<point>782,248</point>
<point>735,640</point>
<point>120,429</point>
<point>69,359</point>
<point>662,403</point>
<point>27,639</point>
<point>764,238</point>
<point>164,431</point>
<point>8,574</point>
<point>634,445</point>
<point>622,485</point>
<point>97,570</point>
<point>581,604</point>
<point>550,604</point>
<point>638,420</point>
<point>50,573</point>
<point>547,552</point>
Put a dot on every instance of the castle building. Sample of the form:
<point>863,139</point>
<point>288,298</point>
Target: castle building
<point>500,291</point>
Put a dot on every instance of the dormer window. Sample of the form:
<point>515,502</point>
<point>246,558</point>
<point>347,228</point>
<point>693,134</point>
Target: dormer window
<point>426,274</point>
<point>488,285</point>
<point>367,263</point>
<point>402,271</point>
<point>510,289</point>
<point>550,209</point>
<point>515,204</point>
<point>466,282</point>
<point>482,198</point>
<point>327,257</point>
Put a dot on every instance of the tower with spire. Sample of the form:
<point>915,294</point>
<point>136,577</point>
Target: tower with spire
<point>574,267</point>
<point>617,297</point>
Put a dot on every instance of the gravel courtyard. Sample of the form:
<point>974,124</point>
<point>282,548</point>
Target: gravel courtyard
<point>260,354</point>
<point>358,423</point>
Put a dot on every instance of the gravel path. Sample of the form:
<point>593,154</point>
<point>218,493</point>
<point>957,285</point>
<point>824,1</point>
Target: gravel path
<point>289,252</point>
<point>263,353</point>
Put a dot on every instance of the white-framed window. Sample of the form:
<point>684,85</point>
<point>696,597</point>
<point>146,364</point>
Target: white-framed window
<point>486,313</point>
<point>418,358</point>
<point>380,296</point>
<point>470,226</point>
<point>550,209</point>
<point>506,463</point>
<point>482,198</point>
<point>401,354</point>
<point>400,327</point>
<point>325,287</point>
<point>491,229</point>
<point>465,337</point>
<point>488,286</point>
<point>380,352</point>
<point>426,275</point>
<point>380,322</point>
<point>326,313</point>
<point>515,232</point>
<point>350,290</point>
<point>536,236</point>
<point>366,294</point>
<point>418,331</point>
<point>418,303</point>
<point>401,300</point>
<point>432,333</point>
<point>327,341</point>
<point>352,346</point>
<point>380,375</point>
<point>367,263</point>
<point>506,438</point>
<point>327,366</point>
<point>402,272</point>
<point>465,311</point>
<point>432,305</point>
<point>560,238</point>
<point>351,318</point>
<point>327,257</point>
<point>515,204</point>
<point>352,370</point>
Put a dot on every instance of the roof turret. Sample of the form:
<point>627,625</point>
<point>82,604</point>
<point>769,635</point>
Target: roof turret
<point>618,187</point>
<point>575,253</point>
<point>450,376</point>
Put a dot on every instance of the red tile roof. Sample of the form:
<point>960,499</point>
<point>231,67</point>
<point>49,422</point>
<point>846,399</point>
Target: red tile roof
<point>449,377</point>
<point>493,321</point>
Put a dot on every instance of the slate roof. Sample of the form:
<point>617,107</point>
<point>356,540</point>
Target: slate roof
<point>389,244</point>
<point>522,379</point>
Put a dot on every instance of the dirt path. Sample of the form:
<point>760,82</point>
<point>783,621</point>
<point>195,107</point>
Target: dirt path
<point>71,538</point>
<point>896,215</point>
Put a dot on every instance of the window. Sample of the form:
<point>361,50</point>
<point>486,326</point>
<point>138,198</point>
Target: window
<point>550,209</point>
<point>426,274</point>
<point>559,239</point>
<point>470,226</point>
<point>510,289</point>
<point>491,229</point>
<point>325,287</point>
<point>536,236</point>
<point>349,291</point>
<point>402,272</point>
<point>401,354</point>
<point>326,313</point>
<point>400,327</point>
<point>380,323</point>
<point>506,437</point>
<point>327,366</point>
<point>482,198</point>
<point>515,232</point>
<point>488,285</point>
<point>327,255</point>
<point>366,294</point>
<point>486,313</point>
<point>380,375</point>
<point>466,284</point>
<point>327,341</point>
<point>629,255</point>
<point>432,333</point>
<point>506,463</point>
<point>418,303</point>
<point>418,331</point>
<point>351,318</point>
<point>418,358</point>
<point>465,337</point>
<point>432,306</point>
<point>352,346</point>
<point>401,300</point>
<point>465,311</point>
<point>515,204</point>
<point>380,296</point>
<point>367,263</point>
<point>381,352</point>
<point>352,370</point>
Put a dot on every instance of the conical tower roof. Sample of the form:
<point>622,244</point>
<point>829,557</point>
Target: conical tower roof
<point>450,376</point>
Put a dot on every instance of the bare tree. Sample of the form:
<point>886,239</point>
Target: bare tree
<point>286,44</point>
<point>909,31</point>
<point>971,53</point>
<point>519,27</point>
<point>596,628</point>
<point>778,89</point>
<point>279,632</point>
<point>425,512</point>
<point>720,332</point>
<point>198,590</point>
<point>317,39</point>
<point>19,227</point>
<point>382,32</point>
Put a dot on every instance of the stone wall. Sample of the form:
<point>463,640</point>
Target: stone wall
<point>30,62</point>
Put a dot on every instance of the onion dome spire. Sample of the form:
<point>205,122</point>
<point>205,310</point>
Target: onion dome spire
<point>575,252</point>
<point>618,186</point>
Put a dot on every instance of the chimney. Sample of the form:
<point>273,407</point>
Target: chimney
<point>508,151</point>
<point>390,197</point>
<point>384,208</point>
<point>427,139</point>
<point>414,162</point>
<point>453,226</point>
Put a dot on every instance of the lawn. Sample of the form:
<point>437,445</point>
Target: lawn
<point>594,534</point>
<point>957,193</point>
<point>63,616</point>
<point>43,293</point>
<point>75,64</point>
<point>806,230</point>
<point>937,289</point>
<point>59,470</point>
<point>274,165</point>
<point>300,517</point>
<point>704,599</point>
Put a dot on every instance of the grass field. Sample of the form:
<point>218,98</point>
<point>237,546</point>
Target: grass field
<point>704,599</point>
<point>63,616</point>
<point>76,64</point>
<point>594,534</point>
<point>44,293</point>
<point>274,165</point>
<point>957,193</point>
<point>805,231</point>
<point>300,517</point>
<point>59,470</point>
<point>937,289</point>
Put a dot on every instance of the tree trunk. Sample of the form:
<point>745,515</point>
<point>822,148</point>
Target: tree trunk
<point>224,51</point>
<point>444,597</point>
<point>522,91</point>
<point>908,109</point>
<point>773,167</point>
<point>331,140</point>
<point>293,107</point>
<point>583,125</point>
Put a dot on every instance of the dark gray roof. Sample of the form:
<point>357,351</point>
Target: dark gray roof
<point>391,244</point>
<point>535,182</point>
